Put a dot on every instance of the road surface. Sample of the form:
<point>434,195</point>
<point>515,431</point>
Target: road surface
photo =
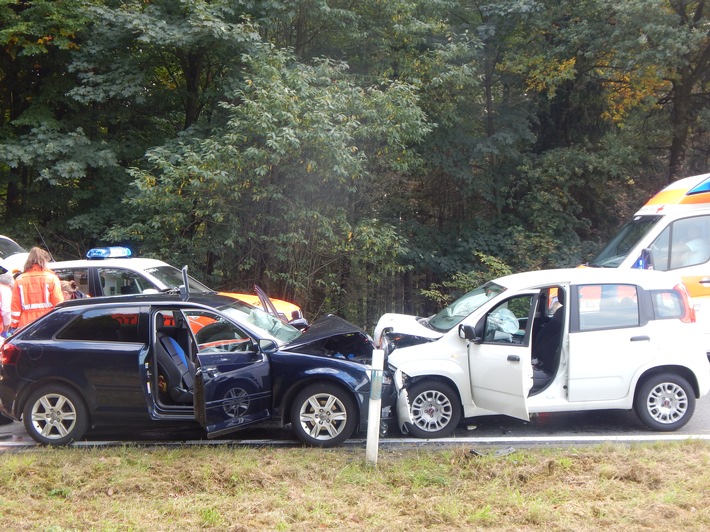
<point>545,429</point>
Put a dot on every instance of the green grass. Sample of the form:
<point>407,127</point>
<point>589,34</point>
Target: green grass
<point>618,487</point>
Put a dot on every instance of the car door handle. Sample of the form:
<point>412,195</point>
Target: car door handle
<point>704,281</point>
<point>640,338</point>
<point>513,358</point>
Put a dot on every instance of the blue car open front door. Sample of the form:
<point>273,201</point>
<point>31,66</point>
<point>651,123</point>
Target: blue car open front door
<point>232,377</point>
<point>232,391</point>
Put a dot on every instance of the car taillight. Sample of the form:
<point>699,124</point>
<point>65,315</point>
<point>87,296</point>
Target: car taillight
<point>9,353</point>
<point>688,309</point>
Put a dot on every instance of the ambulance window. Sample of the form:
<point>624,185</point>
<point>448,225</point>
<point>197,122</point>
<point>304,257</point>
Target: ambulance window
<point>682,244</point>
<point>625,242</point>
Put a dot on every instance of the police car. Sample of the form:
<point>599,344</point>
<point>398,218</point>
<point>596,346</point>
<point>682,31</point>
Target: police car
<point>112,271</point>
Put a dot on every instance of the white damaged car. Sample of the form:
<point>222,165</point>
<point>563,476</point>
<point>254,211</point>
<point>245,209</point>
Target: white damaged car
<point>550,341</point>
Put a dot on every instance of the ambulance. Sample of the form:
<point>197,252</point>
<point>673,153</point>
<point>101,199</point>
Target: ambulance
<point>671,232</point>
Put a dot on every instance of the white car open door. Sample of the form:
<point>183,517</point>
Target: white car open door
<point>500,363</point>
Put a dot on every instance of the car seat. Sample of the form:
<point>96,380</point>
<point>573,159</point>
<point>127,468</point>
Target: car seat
<point>177,368</point>
<point>547,346</point>
<point>129,289</point>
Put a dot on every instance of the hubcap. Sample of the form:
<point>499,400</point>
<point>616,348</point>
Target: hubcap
<point>667,402</point>
<point>323,416</point>
<point>431,410</point>
<point>53,416</point>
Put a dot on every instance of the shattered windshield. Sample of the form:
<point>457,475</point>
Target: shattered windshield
<point>624,242</point>
<point>171,277</point>
<point>452,315</point>
<point>261,322</point>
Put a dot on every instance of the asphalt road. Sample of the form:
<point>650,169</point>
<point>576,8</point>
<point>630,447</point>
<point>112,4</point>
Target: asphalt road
<point>544,429</point>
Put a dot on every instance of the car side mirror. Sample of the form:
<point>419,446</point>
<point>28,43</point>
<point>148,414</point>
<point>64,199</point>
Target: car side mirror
<point>469,332</point>
<point>268,346</point>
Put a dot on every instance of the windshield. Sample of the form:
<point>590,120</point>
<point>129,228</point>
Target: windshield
<point>624,242</point>
<point>261,322</point>
<point>171,277</point>
<point>9,247</point>
<point>452,315</point>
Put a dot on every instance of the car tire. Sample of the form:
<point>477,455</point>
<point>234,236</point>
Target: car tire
<point>665,402</point>
<point>323,415</point>
<point>55,414</point>
<point>435,408</point>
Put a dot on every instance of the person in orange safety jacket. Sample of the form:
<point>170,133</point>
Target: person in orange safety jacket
<point>37,290</point>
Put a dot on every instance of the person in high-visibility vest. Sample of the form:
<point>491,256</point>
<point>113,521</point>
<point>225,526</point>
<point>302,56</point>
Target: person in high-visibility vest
<point>36,291</point>
<point>6,284</point>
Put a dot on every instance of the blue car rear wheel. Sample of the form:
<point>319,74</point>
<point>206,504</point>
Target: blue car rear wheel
<point>55,414</point>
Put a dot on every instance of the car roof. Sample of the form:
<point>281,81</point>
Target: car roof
<point>210,299</point>
<point>645,278</point>
<point>137,264</point>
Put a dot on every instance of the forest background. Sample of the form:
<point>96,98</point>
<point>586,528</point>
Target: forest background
<point>355,156</point>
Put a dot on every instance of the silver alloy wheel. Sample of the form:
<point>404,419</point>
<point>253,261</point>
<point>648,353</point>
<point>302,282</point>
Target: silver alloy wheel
<point>53,416</point>
<point>431,410</point>
<point>667,402</point>
<point>323,416</point>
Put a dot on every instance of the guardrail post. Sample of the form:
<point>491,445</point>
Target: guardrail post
<point>375,407</point>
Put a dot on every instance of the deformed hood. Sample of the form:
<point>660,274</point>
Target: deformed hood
<point>333,336</point>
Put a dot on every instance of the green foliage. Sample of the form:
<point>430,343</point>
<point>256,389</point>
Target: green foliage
<point>277,193</point>
<point>346,154</point>
<point>461,282</point>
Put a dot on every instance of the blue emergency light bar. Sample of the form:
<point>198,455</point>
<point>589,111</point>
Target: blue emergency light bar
<point>112,252</point>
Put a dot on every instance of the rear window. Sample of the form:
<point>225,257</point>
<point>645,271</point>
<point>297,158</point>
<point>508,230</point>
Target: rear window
<point>667,304</point>
<point>104,325</point>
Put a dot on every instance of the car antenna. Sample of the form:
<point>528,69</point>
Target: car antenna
<point>42,238</point>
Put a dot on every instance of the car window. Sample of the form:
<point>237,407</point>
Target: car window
<point>214,333</point>
<point>506,323</point>
<point>607,306</point>
<point>261,322</point>
<point>667,304</point>
<point>452,315</point>
<point>118,281</point>
<point>683,243</point>
<point>79,275</point>
<point>108,325</point>
<point>9,247</point>
<point>625,241</point>
<point>171,277</point>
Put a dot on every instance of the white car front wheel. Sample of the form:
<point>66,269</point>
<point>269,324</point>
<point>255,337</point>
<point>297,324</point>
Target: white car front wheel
<point>436,409</point>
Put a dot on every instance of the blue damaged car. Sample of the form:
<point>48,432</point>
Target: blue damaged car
<point>205,359</point>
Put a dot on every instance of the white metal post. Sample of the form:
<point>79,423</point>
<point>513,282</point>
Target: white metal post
<point>374,414</point>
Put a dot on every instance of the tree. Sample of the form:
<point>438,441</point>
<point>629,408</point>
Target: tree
<point>278,194</point>
<point>43,147</point>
